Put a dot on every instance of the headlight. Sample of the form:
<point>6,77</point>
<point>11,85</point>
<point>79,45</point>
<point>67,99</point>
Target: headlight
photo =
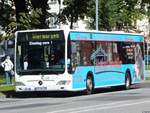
<point>63,82</point>
<point>19,84</point>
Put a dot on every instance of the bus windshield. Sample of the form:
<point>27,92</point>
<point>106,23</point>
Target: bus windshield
<point>40,53</point>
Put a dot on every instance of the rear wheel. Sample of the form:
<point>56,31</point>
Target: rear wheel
<point>127,81</point>
<point>89,85</point>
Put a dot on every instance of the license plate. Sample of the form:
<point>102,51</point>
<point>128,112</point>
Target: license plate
<point>40,88</point>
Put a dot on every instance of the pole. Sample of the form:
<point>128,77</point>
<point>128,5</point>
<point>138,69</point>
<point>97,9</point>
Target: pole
<point>147,56</point>
<point>96,14</point>
<point>59,2</point>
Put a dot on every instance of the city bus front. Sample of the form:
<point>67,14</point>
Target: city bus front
<point>40,61</point>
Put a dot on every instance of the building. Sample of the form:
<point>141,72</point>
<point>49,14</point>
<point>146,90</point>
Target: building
<point>55,8</point>
<point>143,25</point>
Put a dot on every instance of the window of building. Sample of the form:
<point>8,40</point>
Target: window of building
<point>52,21</point>
<point>52,1</point>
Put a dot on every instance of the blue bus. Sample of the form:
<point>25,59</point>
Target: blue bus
<point>58,60</point>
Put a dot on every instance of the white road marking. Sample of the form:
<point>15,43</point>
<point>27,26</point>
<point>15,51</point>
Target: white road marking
<point>109,107</point>
<point>101,106</point>
<point>72,109</point>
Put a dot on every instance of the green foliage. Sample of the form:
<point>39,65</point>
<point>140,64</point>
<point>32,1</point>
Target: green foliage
<point>32,14</point>
<point>26,21</point>
<point>43,5</point>
<point>7,14</point>
<point>145,7</point>
<point>21,15</point>
<point>115,14</point>
<point>74,10</point>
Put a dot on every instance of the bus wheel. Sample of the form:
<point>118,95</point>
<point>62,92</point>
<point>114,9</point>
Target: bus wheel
<point>89,85</point>
<point>127,81</point>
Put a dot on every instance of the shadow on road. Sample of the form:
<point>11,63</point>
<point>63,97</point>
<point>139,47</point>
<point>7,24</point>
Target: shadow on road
<point>13,94</point>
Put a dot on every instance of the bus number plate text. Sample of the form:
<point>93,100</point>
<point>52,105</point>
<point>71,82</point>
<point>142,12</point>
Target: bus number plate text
<point>40,88</point>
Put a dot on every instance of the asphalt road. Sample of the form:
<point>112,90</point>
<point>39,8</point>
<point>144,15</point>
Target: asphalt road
<point>135,100</point>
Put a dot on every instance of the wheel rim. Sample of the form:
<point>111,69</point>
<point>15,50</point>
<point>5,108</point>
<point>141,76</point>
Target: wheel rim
<point>127,82</point>
<point>89,85</point>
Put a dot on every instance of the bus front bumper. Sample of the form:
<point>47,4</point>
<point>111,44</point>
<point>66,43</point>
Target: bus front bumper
<point>60,86</point>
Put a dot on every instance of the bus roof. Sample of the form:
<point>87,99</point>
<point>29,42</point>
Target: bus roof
<point>36,30</point>
<point>106,36</point>
<point>90,31</point>
<point>91,35</point>
<point>107,32</point>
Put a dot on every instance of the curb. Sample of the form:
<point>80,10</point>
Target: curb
<point>2,97</point>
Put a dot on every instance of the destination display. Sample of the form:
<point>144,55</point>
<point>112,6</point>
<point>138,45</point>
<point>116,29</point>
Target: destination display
<point>46,36</point>
<point>40,36</point>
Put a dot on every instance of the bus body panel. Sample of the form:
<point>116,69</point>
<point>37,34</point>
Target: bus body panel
<point>79,76</point>
<point>102,78</point>
<point>104,75</point>
<point>110,75</point>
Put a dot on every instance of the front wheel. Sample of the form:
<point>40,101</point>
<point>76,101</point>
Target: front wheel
<point>89,85</point>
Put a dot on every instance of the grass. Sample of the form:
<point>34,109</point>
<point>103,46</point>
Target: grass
<point>5,88</point>
<point>1,94</point>
<point>147,67</point>
<point>147,78</point>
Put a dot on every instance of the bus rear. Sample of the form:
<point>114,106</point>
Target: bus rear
<point>40,61</point>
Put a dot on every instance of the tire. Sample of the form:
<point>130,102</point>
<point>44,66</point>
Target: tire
<point>127,81</point>
<point>89,85</point>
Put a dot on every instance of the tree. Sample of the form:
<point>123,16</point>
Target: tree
<point>27,14</point>
<point>26,17</point>
<point>114,14</point>
<point>43,5</point>
<point>145,7</point>
<point>21,7</point>
<point>26,20</point>
<point>74,10</point>
<point>7,13</point>
<point>18,15</point>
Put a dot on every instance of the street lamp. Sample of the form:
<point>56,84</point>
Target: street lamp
<point>96,14</point>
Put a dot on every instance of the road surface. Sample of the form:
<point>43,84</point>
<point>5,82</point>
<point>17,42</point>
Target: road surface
<point>136,100</point>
